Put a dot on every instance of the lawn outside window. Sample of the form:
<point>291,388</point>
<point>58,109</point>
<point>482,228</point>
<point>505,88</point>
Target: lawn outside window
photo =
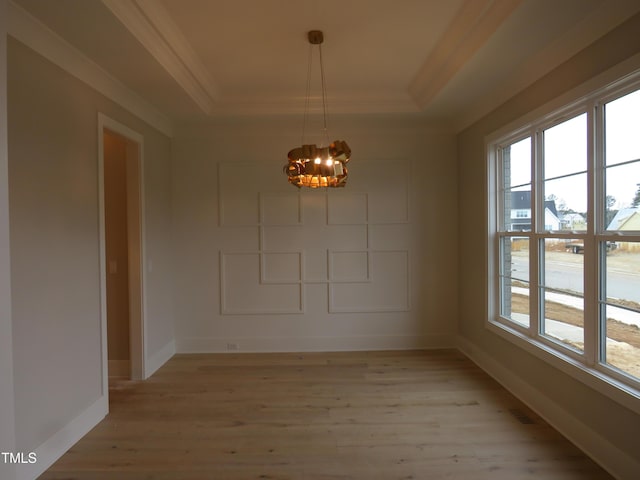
<point>564,235</point>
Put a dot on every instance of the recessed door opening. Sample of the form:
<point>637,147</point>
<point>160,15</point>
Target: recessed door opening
<point>117,255</point>
<point>121,237</point>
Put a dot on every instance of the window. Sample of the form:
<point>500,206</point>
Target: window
<point>565,233</point>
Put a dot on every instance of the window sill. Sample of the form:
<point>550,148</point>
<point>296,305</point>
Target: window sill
<point>621,393</point>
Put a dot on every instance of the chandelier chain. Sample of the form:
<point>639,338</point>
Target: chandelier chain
<point>307,94</point>
<point>324,96</point>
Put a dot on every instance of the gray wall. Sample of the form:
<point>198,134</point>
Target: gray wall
<point>605,417</point>
<point>399,205</point>
<point>7,424</point>
<point>53,188</point>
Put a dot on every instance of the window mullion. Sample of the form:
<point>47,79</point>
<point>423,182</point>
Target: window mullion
<point>595,212</point>
<point>537,174</point>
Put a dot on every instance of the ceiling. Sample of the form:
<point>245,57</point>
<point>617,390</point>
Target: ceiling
<point>447,61</point>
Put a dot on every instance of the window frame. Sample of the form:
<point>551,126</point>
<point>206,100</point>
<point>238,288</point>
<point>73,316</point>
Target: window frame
<point>586,365</point>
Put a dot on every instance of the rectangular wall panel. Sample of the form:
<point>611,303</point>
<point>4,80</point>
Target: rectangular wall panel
<point>387,290</point>
<point>243,292</point>
<point>388,187</point>
<point>316,268</point>
<point>347,208</point>
<point>281,208</point>
<point>349,267</point>
<point>281,268</point>
<point>356,241</point>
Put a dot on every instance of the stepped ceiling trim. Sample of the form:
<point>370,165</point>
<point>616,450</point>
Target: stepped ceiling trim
<point>150,23</point>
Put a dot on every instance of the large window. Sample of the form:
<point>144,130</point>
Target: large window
<point>565,233</point>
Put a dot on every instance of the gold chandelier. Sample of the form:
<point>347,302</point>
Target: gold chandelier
<point>309,165</point>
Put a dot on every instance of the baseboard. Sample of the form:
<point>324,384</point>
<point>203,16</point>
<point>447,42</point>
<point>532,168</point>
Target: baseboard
<point>119,369</point>
<point>608,456</point>
<point>312,344</point>
<point>159,358</point>
<point>57,445</point>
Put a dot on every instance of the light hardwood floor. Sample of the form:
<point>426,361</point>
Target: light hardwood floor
<point>358,415</point>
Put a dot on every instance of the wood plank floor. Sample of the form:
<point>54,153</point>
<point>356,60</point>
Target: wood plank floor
<point>357,415</point>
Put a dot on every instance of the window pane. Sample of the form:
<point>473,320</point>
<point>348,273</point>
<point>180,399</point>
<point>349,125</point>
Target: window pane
<point>623,274</point>
<point>566,203</point>
<point>622,129</point>
<point>562,291</point>
<point>517,210</point>
<point>516,159</point>
<point>623,190</point>
<point>565,147</point>
<point>622,307</point>
<point>514,280</point>
<point>622,347</point>
<point>516,178</point>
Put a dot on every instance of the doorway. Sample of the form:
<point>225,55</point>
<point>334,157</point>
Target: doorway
<point>121,237</point>
<point>116,220</point>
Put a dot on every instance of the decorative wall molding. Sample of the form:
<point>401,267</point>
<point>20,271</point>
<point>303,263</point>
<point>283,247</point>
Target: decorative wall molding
<point>390,180</point>
<point>348,208</point>
<point>314,237</point>
<point>278,209</point>
<point>38,37</point>
<point>388,288</point>
<point>281,268</point>
<point>243,291</point>
<point>349,261</point>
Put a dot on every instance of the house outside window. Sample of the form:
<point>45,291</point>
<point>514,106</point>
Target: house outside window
<point>565,233</point>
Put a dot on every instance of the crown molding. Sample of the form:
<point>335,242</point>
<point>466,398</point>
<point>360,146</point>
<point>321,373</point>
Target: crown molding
<point>34,34</point>
<point>150,23</point>
<point>363,103</point>
<point>470,29</point>
<point>602,20</point>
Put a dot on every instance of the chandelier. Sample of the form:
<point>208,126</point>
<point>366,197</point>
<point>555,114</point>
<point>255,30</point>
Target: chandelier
<point>309,165</point>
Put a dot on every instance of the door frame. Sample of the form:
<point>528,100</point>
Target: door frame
<point>137,269</point>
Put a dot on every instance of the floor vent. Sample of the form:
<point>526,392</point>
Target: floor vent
<point>521,416</point>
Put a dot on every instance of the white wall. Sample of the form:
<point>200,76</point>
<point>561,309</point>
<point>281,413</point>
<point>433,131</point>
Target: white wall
<point>158,235</point>
<point>55,294</point>
<point>266,267</point>
<point>7,424</point>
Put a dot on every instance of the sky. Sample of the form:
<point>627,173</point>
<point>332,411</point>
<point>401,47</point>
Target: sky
<point>565,149</point>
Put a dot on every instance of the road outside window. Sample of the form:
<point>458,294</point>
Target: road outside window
<point>566,232</point>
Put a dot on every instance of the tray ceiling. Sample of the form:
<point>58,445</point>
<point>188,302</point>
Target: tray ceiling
<point>447,61</point>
